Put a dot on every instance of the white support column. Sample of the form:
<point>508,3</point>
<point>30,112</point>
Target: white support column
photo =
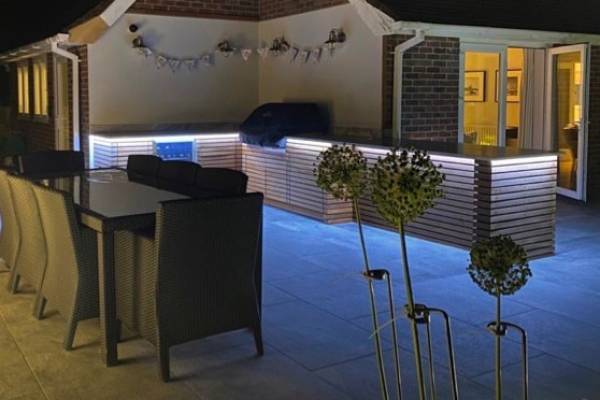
<point>398,77</point>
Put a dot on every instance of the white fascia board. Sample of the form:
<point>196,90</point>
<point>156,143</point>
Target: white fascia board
<point>378,22</point>
<point>33,49</point>
<point>115,11</point>
<point>477,34</point>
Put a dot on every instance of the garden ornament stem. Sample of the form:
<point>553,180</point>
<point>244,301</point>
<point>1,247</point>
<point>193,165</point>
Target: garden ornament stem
<point>412,316</point>
<point>499,266</point>
<point>375,319</point>
<point>498,351</point>
<point>451,358</point>
<point>525,363</point>
<point>343,172</point>
<point>405,184</point>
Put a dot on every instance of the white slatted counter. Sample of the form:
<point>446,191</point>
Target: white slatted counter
<point>489,193</point>
<point>222,150</point>
<point>514,194</point>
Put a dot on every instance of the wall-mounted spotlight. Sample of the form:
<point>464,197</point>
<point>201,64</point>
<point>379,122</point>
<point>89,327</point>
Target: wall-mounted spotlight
<point>138,42</point>
<point>133,28</point>
<point>280,46</point>
<point>225,48</point>
<point>337,37</point>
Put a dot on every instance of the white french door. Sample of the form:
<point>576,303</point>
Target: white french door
<point>567,115</point>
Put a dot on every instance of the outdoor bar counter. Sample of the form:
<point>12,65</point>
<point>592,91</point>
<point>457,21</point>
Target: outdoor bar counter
<point>487,191</point>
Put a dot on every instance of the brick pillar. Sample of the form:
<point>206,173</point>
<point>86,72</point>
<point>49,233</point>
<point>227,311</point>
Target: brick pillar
<point>593,160</point>
<point>429,88</point>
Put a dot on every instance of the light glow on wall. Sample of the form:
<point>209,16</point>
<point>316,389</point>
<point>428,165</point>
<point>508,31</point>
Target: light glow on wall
<point>524,160</point>
<point>312,143</point>
<point>159,138</point>
<point>164,137</point>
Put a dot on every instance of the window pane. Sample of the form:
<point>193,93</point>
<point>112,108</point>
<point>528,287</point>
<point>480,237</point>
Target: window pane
<point>20,88</point>
<point>567,118</point>
<point>26,88</point>
<point>481,107</point>
<point>40,87</point>
<point>44,91</point>
<point>36,89</point>
<point>23,89</point>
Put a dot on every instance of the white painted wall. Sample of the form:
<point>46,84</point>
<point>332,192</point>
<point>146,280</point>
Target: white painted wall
<point>126,88</point>
<point>349,84</point>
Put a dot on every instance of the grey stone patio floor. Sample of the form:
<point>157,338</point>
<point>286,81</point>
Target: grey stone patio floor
<point>317,326</point>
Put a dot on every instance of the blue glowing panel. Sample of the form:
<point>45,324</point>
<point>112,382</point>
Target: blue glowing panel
<point>175,150</point>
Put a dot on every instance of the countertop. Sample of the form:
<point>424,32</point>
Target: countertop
<point>470,151</point>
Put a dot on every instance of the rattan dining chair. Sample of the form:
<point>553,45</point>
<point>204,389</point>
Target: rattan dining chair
<point>70,283</point>
<point>199,274</point>
<point>31,255</point>
<point>50,162</point>
<point>177,175</point>
<point>9,229</point>
<point>221,180</point>
<point>143,168</point>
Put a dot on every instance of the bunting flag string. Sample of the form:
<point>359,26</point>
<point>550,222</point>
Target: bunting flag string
<point>279,47</point>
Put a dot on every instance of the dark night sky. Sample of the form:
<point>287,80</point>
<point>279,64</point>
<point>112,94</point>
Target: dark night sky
<point>23,22</point>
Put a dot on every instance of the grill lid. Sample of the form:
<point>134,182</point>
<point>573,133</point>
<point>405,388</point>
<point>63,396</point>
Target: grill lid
<point>270,123</point>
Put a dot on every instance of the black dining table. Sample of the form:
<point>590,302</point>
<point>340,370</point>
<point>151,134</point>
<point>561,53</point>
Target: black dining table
<point>107,201</point>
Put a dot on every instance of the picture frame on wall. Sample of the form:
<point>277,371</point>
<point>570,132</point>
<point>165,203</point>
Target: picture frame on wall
<point>513,85</point>
<point>474,86</point>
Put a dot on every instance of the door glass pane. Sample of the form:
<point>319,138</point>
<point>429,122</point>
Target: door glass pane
<point>481,107</point>
<point>567,115</point>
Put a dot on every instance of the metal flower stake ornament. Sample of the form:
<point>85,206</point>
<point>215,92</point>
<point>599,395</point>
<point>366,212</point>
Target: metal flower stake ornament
<point>405,185</point>
<point>342,171</point>
<point>499,266</point>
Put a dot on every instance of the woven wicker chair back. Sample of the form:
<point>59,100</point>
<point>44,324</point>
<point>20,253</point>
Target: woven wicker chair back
<point>49,162</point>
<point>145,165</point>
<point>179,172</point>
<point>31,257</point>
<point>206,259</point>
<point>61,231</point>
<point>9,229</point>
<point>222,180</point>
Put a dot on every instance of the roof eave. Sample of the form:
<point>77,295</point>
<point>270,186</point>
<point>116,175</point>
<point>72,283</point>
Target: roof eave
<point>34,49</point>
<point>481,34</point>
<point>91,30</point>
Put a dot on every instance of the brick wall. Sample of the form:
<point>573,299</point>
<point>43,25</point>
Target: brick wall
<point>429,89</point>
<point>269,9</point>
<point>235,9</point>
<point>593,167</point>
<point>39,132</point>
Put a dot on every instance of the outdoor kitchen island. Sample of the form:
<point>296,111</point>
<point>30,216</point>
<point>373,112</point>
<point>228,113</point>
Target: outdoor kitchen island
<point>487,191</point>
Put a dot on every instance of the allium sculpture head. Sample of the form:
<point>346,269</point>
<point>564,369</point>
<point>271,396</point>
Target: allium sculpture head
<point>499,266</point>
<point>342,171</point>
<point>405,185</point>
